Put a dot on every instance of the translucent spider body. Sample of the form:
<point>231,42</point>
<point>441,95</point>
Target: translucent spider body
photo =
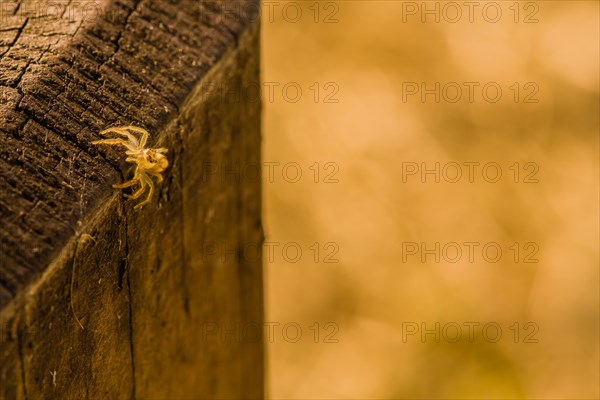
<point>149,162</point>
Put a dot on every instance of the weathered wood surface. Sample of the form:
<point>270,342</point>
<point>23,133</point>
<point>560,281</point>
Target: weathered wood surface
<point>155,298</point>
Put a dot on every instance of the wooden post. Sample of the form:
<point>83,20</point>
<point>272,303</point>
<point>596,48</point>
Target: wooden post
<point>168,298</point>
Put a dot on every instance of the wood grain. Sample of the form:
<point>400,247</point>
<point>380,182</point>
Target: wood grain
<point>147,290</point>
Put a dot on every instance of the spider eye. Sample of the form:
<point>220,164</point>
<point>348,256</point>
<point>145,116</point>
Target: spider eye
<point>150,156</point>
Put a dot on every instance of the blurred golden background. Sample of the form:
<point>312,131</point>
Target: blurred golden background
<point>354,315</point>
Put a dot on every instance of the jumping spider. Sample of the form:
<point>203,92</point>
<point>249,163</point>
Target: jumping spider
<point>150,162</point>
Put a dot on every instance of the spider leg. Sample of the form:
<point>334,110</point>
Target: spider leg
<point>126,184</point>
<point>111,141</point>
<point>143,138</point>
<point>150,193</point>
<point>134,128</point>
<point>161,150</point>
<point>122,132</point>
<point>135,153</point>
<point>139,192</point>
<point>157,175</point>
<point>115,141</point>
